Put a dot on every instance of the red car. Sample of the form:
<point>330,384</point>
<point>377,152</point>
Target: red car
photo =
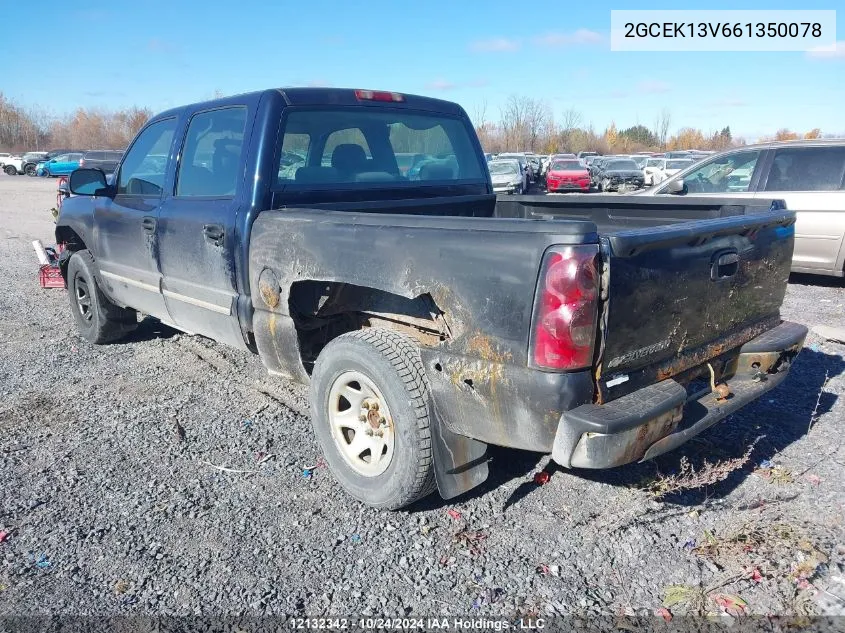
<point>567,175</point>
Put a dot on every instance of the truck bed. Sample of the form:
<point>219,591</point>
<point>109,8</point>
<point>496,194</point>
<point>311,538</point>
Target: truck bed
<point>473,280</point>
<point>612,213</point>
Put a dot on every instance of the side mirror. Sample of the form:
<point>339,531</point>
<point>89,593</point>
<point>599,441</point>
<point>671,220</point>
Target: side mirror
<point>88,182</point>
<point>675,186</point>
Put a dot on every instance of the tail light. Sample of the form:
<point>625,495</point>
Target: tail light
<point>378,95</point>
<point>566,309</point>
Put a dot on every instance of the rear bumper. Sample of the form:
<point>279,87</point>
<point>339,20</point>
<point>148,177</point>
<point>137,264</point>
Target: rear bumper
<point>662,416</point>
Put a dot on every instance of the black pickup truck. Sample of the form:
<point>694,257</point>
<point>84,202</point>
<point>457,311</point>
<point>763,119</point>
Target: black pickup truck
<point>430,320</point>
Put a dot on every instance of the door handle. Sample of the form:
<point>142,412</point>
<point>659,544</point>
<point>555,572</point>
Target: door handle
<point>724,266</point>
<point>213,233</point>
<point>149,224</point>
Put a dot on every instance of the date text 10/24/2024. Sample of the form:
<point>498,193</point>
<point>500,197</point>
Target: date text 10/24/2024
<point>409,624</point>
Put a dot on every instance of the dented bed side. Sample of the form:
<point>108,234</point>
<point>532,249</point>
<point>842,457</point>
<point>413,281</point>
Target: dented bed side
<point>476,277</point>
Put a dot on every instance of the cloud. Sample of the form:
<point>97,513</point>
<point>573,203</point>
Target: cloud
<point>441,84</point>
<point>837,51</point>
<point>652,87</point>
<point>333,40</point>
<point>578,38</point>
<point>495,45</point>
<point>103,93</point>
<point>157,45</point>
<point>444,85</point>
<point>728,103</point>
<point>646,87</point>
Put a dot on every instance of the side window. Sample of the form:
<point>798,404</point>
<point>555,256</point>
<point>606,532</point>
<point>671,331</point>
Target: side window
<point>211,157</point>
<point>295,148</point>
<point>63,158</point>
<point>807,169</point>
<point>142,173</point>
<point>725,174</point>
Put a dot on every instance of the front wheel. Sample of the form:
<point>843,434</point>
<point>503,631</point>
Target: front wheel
<point>97,319</point>
<point>370,410</point>
<point>29,170</point>
<point>10,170</point>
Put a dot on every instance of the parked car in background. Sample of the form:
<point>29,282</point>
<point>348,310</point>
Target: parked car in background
<point>640,159</point>
<point>105,159</point>
<point>12,165</point>
<point>508,176</point>
<point>3,157</point>
<point>568,174</point>
<point>30,160</point>
<point>523,161</point>
<point>809,175</point>
<point>536,167</point>
<point>659,169</point>
<point>61,165</point>
<point>586,154</point>
<point>620,174</point>
<point>677,154</point>
<point>594,165</point>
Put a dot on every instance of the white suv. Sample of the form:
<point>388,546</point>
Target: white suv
<point>11,164</point>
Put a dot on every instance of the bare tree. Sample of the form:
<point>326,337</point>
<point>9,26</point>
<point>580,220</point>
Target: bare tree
<point>538,119</point>
<point>661,127</point>
<point>571,119</point>
<point>479,114</point>
<point>570,122</point>
<point>514,122</point>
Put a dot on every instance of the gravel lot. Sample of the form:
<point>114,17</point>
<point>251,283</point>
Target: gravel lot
<point>111,503</point>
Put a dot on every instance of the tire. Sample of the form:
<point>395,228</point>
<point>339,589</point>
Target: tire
<point>10,170</point>
<point>388,365</point>
<point>97,319</point>
<point>29,170</point>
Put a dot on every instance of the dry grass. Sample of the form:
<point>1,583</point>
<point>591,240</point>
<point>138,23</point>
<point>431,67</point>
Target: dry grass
<point>690,478</point>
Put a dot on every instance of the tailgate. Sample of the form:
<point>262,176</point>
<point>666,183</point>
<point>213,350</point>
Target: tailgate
<point>676,296</point>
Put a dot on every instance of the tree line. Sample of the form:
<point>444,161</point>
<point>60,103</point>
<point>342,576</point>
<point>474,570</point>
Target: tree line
<point>529,124</point>
<point>32,129</point>
<point>524,124</point>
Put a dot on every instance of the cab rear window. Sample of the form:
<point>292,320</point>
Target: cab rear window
<point>365,147</point>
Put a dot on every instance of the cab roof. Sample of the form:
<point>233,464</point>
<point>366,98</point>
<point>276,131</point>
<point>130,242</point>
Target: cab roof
<point>324,97</point>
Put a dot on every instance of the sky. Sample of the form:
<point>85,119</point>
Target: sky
<point>162,54</point>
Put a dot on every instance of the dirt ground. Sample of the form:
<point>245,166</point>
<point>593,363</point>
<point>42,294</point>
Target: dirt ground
<point>113,500</point>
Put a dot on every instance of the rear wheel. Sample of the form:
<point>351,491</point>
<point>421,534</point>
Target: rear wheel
<point>10,170</point>
<point>97,319</point>
<point>370,412</point>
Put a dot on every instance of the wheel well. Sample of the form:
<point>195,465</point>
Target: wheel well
<point>323,310</point>
<point>72,243</point>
